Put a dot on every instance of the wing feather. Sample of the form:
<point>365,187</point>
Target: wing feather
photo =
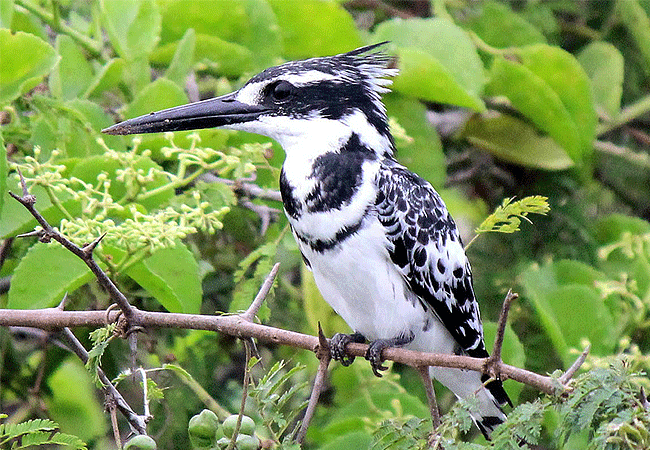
<point>425,245</point>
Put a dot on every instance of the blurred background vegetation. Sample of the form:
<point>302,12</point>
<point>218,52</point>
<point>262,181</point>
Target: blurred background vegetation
<point>495,99</point>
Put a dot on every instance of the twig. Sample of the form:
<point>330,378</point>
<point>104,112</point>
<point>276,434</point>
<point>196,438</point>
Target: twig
<point>48,233</point>
<point>246,382</point>
<point>110,405</point>
<point>324,356</point>
<point>4,250</point>
<point>252,310</point>
<point>493,362</point>
<point>431,395</point>
<point>137,422</point>
<point>251,190</point>
<point>566,376</point>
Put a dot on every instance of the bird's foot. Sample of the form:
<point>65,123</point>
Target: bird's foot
<point>373,354</point>
<point>338,343</point>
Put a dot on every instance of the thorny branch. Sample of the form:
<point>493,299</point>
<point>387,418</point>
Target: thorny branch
<point>242,326</point>
<point>47,233</point>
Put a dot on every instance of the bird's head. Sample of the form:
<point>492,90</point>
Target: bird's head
<point>318,99</point>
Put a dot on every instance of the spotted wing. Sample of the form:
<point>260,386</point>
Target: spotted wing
<point>425,245</point>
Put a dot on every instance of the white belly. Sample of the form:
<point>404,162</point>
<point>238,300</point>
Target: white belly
<point>362,284</point>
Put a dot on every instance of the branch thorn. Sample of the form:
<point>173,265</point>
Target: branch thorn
<point>89,248</point>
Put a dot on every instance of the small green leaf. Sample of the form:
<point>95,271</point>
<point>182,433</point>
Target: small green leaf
<point>26,59</point>
<point>516,141</point>
<point>73,74</point>
<point>133,27</point>
<point>171,275</point>
<point>303,37</point>
<point>507,217</point>
<point>603,63</point>
<point>499,26</point>
<point>44,275</point>
<point>106,78</point>
<point>160,94</point>
<point>182,61</point>
<point>440,55</point>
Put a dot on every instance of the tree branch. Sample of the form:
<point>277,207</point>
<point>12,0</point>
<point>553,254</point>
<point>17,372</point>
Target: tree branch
<point>52,318</point>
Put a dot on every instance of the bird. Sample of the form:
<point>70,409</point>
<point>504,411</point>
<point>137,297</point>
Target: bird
<point>384,250</point>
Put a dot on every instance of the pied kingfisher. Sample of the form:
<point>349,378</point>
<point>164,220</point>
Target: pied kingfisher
<point>384,251</point>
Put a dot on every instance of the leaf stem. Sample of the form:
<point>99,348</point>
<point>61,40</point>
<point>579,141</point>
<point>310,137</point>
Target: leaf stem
<point>92,46</point>
<point>627,114</point>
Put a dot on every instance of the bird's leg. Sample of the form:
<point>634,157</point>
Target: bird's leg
<point>338,343</point>
<point>376,347</point>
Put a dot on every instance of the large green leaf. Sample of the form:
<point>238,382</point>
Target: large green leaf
<point>233,36</point>
<point>424,153</point>
<point>133,26</point>
<point>604,64</point>
<point>73,74</point>
<point>73,403</point>
<point>44,276</point>
<point>498,25</point>
<point>171,275</point>
<point>219,56</point>
<point>569,307</point>
<point>6,13</point>
<point>226,19</point>
<point>536,100</point>
<point>25,60</point>
<point>304,37</point>
<point>563,73</point>
<point>633,16</point>
<point>516,141</point>
<point>437,60</point>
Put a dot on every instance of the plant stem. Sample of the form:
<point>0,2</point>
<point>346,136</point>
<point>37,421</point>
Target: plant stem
<point>92,46</point>
<point>627,114</point>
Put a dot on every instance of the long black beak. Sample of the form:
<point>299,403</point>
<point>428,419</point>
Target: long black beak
<point>215,112</point>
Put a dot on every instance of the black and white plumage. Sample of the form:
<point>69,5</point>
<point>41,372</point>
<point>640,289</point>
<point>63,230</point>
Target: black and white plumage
<point>384,251</point>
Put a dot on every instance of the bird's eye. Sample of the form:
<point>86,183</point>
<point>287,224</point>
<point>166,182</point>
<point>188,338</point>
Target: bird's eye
<point>281,91</point>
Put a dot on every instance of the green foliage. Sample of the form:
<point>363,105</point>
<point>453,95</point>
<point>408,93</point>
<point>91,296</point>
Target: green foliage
<point>280,397</point>
<point>35,433</point>
<point>550,114</point>
<point>507,217</point>
<point>100,338</point>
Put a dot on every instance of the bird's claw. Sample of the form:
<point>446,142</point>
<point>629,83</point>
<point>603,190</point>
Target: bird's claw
<point>337,346</point>
<point>373,354</point>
